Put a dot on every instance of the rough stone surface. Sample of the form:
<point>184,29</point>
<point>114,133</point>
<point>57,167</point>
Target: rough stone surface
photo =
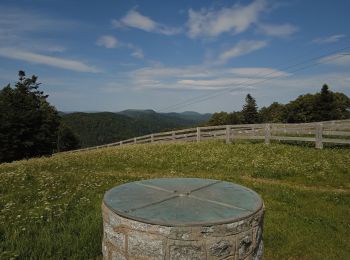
<point>141,245</point>
<point>259,251</point>
<point>128,239</point>
<point>184,252</point>
<point>245,246</point>
<point>115,238</point>
<point>221,248</point>
<point>118,256</point>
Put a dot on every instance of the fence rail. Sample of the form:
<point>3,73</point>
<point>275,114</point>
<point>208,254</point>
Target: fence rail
<point>336,132</point>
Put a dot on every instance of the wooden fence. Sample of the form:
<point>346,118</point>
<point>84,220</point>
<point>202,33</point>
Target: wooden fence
<point>335,132</point>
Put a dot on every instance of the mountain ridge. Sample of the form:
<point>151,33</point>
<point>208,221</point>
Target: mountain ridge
<point>96,128</point>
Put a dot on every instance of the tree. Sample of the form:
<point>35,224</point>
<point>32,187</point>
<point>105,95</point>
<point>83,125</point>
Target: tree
<point>322,106</point>
<point>220,118</point>
<point>28,123</point>
<point>235,118</point>
<point>250,111</point>
<point>275,113</point>
<point>342,109</point>
<point>301,110</point>
<point>325,105</point>
<point>66,139</point>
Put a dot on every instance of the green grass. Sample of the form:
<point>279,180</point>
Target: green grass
<point>50,207</point>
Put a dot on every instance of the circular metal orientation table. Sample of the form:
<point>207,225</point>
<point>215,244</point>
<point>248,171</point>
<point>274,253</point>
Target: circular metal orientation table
<point>182,218</point>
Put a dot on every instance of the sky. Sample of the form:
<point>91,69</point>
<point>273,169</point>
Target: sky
<point>183,55</point>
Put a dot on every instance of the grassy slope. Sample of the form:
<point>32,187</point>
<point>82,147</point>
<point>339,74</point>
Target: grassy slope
<point>50,207</point>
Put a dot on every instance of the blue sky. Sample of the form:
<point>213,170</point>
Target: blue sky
<point>166,55</point>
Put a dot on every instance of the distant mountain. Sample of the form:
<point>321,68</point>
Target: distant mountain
<point>106,127</point>
<point>190,116</point>
<point>137,111</point>
<point>195,116</point>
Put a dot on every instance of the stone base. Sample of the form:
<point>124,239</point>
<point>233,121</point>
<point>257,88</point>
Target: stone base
<point>129,239</point>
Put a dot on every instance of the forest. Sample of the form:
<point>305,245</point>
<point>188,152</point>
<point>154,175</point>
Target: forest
<point>30,126</point>
<point>322,106</point>
<point>107,127</point>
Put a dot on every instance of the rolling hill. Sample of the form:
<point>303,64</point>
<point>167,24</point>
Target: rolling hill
<point>107,127</point>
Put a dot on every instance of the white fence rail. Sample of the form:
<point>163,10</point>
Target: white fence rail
<point>336,132</point>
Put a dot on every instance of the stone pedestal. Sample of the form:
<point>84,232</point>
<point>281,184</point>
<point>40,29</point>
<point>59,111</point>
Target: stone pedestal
<point>194,221</point>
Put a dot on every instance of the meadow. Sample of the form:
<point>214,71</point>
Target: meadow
<point>51,207</point>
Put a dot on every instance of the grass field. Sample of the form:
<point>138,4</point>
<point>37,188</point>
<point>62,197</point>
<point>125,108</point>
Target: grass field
<point>50,207</point>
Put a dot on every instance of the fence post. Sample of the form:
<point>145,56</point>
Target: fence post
<point>120,143</point>
<point>173,136</point>
<point>135,140</point>
<point>198,134</point>
<point>318,138</point>
<point>228,128</point>
<point>267,133</point>
<point>152,138</point>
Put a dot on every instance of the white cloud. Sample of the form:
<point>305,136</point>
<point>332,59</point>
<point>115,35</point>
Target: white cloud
<point>107,41</point>
<point>212,83</point>
<point>136,20</point>
<point>282,30</point>
<point>200,78</point>
<point>111,42</point>
<point>337,59</point>
<point>329,39</point>
<point>241,48</point>
<point>210,23</point>
<point>258,72</point>
<point>31,57</point>
<point>136,51</point>
<point>165,72</point>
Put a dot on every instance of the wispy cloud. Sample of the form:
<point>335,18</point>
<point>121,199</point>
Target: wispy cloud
<point>55,48</point>
<point>253,72</point>
<point>17,27</point>
<point>329,39</point>
<point>211,23</point>
<point>18,20</point>
<point>111,42</point>
<point>107,41</point>
<point>283,30</point>
<point>136,20</point>
<point>32,57</point>
<point>198,77</point>
<point>137,52</point>
<point>337,59</point>
<point>241,48</point>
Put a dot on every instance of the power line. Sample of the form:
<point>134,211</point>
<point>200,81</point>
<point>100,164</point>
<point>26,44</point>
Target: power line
<point>244,83</point>
<point>188,101</point>
<point>261,81</point>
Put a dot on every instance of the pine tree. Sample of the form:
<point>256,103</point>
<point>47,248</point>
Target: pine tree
<point>250,111</point>
<point>325,105</point>
<point>28,123</point>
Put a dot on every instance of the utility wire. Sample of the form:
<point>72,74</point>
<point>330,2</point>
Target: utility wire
<point>258,82</point>
<point>202,98</point>
<point>188,101</point>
